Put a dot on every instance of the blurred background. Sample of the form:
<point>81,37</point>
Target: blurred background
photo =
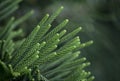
<point>100,20</point>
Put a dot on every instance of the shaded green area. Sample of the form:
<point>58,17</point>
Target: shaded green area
<point>100,21</point>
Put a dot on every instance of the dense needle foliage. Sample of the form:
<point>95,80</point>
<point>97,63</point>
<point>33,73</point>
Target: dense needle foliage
<point>45,55</point>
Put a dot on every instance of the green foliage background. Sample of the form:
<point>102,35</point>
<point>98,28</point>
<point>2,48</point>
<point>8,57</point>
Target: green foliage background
<point>101,22</point>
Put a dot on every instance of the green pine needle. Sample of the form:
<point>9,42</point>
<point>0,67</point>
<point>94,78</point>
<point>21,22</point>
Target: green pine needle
<point>45,55</point>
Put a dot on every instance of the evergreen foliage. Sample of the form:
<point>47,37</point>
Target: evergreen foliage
<point>45,55</point>
<point>7,7</point>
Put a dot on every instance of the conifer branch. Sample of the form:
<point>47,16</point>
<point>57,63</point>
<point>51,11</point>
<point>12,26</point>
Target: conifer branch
<point>45,55</point>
